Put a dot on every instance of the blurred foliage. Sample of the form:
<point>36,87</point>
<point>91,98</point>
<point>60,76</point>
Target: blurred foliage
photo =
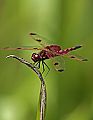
<point>65,22</point>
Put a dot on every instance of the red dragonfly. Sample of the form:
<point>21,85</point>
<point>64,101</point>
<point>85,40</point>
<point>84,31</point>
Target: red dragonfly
<point>53,52</point>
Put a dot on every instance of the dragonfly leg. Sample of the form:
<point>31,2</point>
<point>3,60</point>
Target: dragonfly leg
<point>47,67</point>
<point>43,66</point>
<point>37,64</point>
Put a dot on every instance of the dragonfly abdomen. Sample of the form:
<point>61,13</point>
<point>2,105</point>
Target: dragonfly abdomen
<point>65,51</point>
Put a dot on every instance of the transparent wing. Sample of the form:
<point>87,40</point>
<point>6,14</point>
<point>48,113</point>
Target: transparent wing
<point>39,39</point>
<point>59,63</point>
<point>76,57</point>
<point>21,48</point>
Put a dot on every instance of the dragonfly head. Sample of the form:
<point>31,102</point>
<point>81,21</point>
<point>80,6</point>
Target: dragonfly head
<point>35,57</point>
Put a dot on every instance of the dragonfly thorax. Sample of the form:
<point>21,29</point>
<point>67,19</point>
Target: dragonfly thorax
<point>42,55</point>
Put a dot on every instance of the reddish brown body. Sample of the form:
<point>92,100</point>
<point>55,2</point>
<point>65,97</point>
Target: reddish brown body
<point>50,52</point>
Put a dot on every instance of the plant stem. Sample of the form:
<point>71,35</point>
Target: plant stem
<point>43,94</point>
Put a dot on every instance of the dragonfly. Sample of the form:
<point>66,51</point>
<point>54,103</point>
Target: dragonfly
<point>53,52</point>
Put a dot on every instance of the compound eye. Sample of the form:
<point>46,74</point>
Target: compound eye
<point>36,55</point>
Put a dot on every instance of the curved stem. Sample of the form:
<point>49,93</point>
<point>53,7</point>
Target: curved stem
<point>43,94</point>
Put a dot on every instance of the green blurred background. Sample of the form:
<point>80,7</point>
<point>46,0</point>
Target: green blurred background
<point>65,22</point>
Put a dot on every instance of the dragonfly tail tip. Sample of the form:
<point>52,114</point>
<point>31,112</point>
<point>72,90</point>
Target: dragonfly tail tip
<point>78,46</point>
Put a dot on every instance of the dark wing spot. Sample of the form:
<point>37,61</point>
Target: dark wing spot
<point>72,56</point>
<point>61,70</point>
<point>32,33</point>
<point>38,40</point>
<point>56,63</point>
<point>35,48</point>
<point>19,48</point>
<point>84,59</point>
